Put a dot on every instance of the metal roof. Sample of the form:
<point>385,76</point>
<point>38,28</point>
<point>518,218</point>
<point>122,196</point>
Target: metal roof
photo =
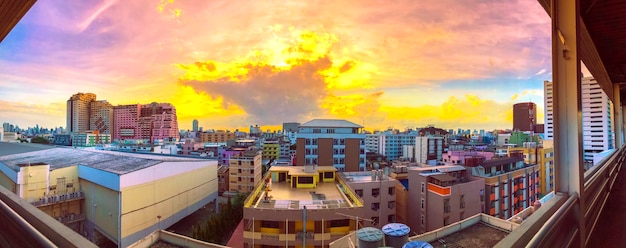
<point>114,162</point>
<point>330,123</point>
<point>11,12</point>
<point>15,148</point>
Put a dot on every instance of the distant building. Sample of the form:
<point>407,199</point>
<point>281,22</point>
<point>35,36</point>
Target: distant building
<point>324,142</point>
<point>126,122</point>
<point>62,139</point>
<point>152,122</point>
<point>544,158</point>
<point>245,170</point>
<point>548,108</point>
<point>271,149</point>
<point>378,192</point>
<point>223,179</point>
<point>391,144</point>
<point>524,116</point>
<point>428,149</point>
<point>442,195</point>
<point>108,196</point>
<point>290,127</point>
<point>194,125</point>
<point>90,139</point>
<point>78,112</point>
<point>101,117</point>
<point>219,136</point>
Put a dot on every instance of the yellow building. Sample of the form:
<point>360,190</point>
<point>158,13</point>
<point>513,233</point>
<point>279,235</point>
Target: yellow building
<point>271,149</point>
<point>542,156</point>
<point>109,197</point>
<point>300,203</point>
<point>245,170</point>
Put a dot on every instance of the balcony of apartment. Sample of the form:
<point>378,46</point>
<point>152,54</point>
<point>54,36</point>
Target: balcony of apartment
<point>589,204</point>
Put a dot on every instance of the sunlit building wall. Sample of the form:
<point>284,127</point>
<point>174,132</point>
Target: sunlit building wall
<point>78,112</point>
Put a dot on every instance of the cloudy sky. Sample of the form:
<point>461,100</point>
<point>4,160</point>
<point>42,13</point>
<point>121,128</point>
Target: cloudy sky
<point>450,63</point>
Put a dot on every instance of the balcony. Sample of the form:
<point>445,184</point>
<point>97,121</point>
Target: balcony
<point>54,199</point>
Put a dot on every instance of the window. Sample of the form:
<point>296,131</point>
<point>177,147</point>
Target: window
<point>317,130</point>
<point>330,130</point>
<point>462,201</point>
<point>330,174</point>
<point>375,192</point>
<point>423,203</point>
<point>446,221</point>
<point>423,187</point>
<point>251,179</point>
<point>359,192</point>
<point>461,216</point>
<point>392,190</point>
<point>391,218</point>
<point>446,205</point>
<point>270,224</point>
<point>375,206</point>
<point>305,180</point>
<point>391,204</point>
<point>422,219</point>
<point>339,223</point>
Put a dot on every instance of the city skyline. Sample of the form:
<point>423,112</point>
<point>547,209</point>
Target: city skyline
<point>376,64</point>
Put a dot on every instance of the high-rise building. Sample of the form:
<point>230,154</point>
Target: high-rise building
<point>194,125</point>
<point>290,126</point>
<point>126,122</point>
<point>524,116</point>
<point>219,136</point>
<point>597,116</point>
<point>391,144</point>
<point>245,170</point>
<point>428,148</point>
<point>101,117</point>
<point>325,142</point>
<point>78,112</point>
<point>548,106</point>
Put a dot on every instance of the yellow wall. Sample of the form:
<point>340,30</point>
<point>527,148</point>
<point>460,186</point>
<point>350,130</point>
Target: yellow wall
<point>7,183</point>
<point>71,176</point>
<point>141,204</point>
<point>62,209</point>
<point>101,207</point>
<point>35,182</point>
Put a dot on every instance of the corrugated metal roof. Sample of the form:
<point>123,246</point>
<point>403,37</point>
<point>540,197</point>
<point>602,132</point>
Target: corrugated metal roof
<point>61,157</point>
<point>330,123</point>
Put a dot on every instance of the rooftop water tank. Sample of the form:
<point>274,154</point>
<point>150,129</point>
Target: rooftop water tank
<point>417,244</point>
<point>369,237</point>
<point>396,234</point>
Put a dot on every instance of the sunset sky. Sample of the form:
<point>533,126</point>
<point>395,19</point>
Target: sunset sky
<point>231,64</point>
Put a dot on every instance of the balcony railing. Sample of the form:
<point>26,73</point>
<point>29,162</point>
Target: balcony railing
<point>54,199</point>
<point>557,222</point>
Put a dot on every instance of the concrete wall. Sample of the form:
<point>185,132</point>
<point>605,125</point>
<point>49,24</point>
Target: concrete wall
<point>172,198</point>
<point>101,209</point>
<point>383,199</point>
<point>32,182</point>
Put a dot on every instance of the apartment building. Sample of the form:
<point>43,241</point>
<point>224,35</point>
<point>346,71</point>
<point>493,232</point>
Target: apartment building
<point>428,149</point>
<point>391,143</point>
<point>90,139</point>
<point>541,156</point>
<point>245,170</point>
<point>339,143</point>
<point>271,149</point>
<point>298,204</point>
<point>378,192</point>
<point>101,117</point>
<point>219,136</point>
<point>441,195</point>
<point>510,185</point>
<point>152,122</point>
<point>78,112</point>
<point>524,116</point>
<point>548,108</point>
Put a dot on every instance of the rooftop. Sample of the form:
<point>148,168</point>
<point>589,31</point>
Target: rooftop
<point>60,157</point>
<point>15,148</point>
<point>500,161</point>
<point>363,177</point>
<point>330,123</point>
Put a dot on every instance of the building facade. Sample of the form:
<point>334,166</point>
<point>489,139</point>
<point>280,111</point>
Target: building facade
<point>378,192</point>
<point>441,195</point>
<point>151,123</point>
<point>524,116</point>
<point>90,139</point>
<point>510,185</point>
<point>194,125</point>
<point>101,117</point>
<point>544,158</point>
<point>597,119</point>
<point>428,149</point>
<point>392,144</point>
<point>298,205</point>
<point>245,170</point>
<point>548,108</point>
<point>339,143</point>
<point>78,112</point>
<point>219,136</point>
<point>126,122</point>
<point>271,149</point>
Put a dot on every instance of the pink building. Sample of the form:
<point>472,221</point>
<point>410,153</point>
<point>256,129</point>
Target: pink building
<point>466,157</point>
<point>155,121</point>
<point>126,124</point>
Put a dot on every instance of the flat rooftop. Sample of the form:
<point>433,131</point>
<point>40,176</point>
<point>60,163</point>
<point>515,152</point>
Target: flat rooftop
<point>61,157</point>
<point>15,148</point>
<point>283,196</point>
<point>477,235</point>
<point>363,177</point>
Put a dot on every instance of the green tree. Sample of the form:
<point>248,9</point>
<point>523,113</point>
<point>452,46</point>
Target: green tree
<point>39,140</point>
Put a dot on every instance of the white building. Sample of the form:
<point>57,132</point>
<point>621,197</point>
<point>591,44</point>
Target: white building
<point>597,117</point>
<point>428,149</point>
<point>391,144</point>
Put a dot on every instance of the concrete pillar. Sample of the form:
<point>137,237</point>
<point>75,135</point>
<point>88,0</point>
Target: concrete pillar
<point>618,123</point>
<point>568,152</point>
